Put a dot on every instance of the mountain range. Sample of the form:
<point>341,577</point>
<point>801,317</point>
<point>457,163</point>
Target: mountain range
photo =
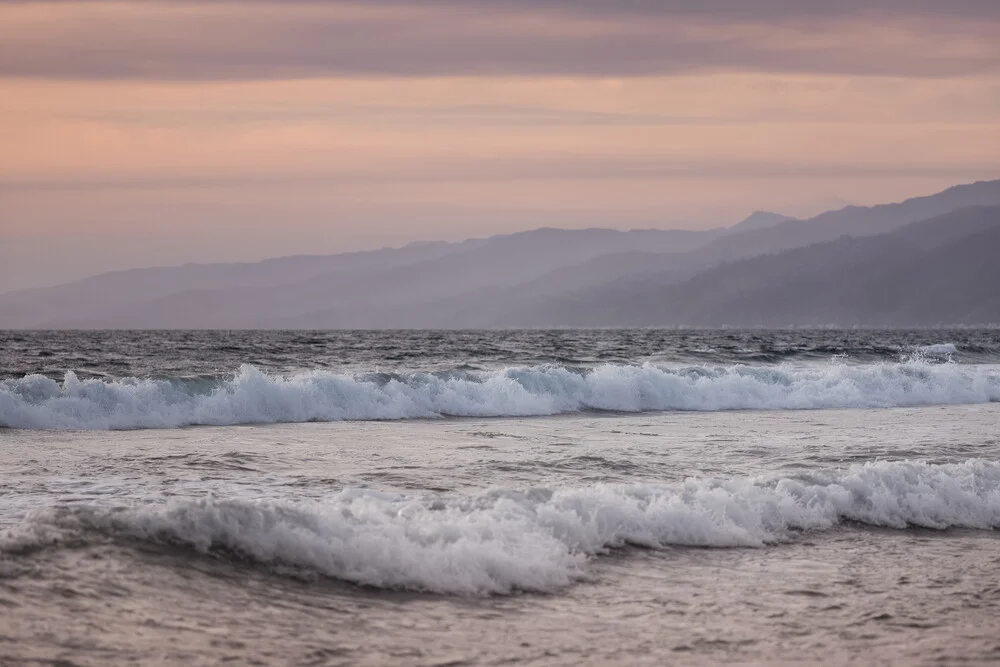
<point>922,262</point>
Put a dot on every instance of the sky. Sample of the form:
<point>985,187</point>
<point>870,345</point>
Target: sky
<point>164,132</point>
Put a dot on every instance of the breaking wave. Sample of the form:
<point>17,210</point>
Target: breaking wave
<point>502,541</point>
<point>938,350</point>
<point>252,397</point>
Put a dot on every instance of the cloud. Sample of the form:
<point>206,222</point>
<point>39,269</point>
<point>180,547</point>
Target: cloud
<point>568,168</point>
<point>185,40</point>
<point>744,9</point>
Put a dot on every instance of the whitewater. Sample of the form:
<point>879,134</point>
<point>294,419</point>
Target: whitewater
<point>504,541</point>
<point>253,397</point>
<point>573,497</point>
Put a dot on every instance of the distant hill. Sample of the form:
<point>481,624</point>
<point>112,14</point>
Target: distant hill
<point>934,272</point>
<point>851,221</point>
<point>74,304</point>
<point>280,291</point>
<point>544,277</point>
<point>760,220</point>
<point>617,278</point>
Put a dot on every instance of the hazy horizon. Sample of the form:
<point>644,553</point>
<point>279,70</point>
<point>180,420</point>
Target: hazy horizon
<point>160,133</point>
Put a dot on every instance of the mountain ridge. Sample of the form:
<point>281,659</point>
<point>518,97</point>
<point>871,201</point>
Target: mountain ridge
<point>493,281</point>
<point>881,280</point>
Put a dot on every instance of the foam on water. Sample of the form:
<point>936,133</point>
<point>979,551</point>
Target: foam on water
<point>938,349</point>
<point>37,402</point>
<point>504,540</point>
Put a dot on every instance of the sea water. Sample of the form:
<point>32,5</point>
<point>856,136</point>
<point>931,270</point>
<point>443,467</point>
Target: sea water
<point>540,497</point>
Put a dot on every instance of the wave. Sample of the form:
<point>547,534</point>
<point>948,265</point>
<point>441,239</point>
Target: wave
<point>252,397</point>
<point>503,541</point>
<point>938,350</point>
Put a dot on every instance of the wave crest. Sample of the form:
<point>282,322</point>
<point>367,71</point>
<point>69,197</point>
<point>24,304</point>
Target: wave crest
<point>504,540</point>
<point>938,350</point>
<point>37,402</point>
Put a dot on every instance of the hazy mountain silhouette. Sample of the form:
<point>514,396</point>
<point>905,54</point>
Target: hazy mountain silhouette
<point>611,279</point>
<point>68,304</point>
<point>852,221</point>
<point>938,271</point>
<point>760,220</point>
<point>544,277</point>
<point>366,284</point>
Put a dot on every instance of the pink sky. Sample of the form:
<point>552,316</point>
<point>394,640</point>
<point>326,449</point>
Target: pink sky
<point>140,133</point>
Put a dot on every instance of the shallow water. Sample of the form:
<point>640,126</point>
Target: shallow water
<point>854,595</point>
<point>99,593</point>
<point>592,536</point>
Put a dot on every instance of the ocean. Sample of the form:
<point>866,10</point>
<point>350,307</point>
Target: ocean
<point>635,497</point>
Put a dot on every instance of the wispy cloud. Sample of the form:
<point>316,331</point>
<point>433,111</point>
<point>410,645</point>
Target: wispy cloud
<point>568,168</point>
<point>266,40</point>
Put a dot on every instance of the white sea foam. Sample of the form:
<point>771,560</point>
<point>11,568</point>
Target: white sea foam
<point>37,402</point>
<point>938,349</point>
<point>540,540</point>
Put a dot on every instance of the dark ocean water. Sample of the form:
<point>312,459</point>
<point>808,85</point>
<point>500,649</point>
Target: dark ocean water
<point>218,353</point>
<point>503,497</point>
